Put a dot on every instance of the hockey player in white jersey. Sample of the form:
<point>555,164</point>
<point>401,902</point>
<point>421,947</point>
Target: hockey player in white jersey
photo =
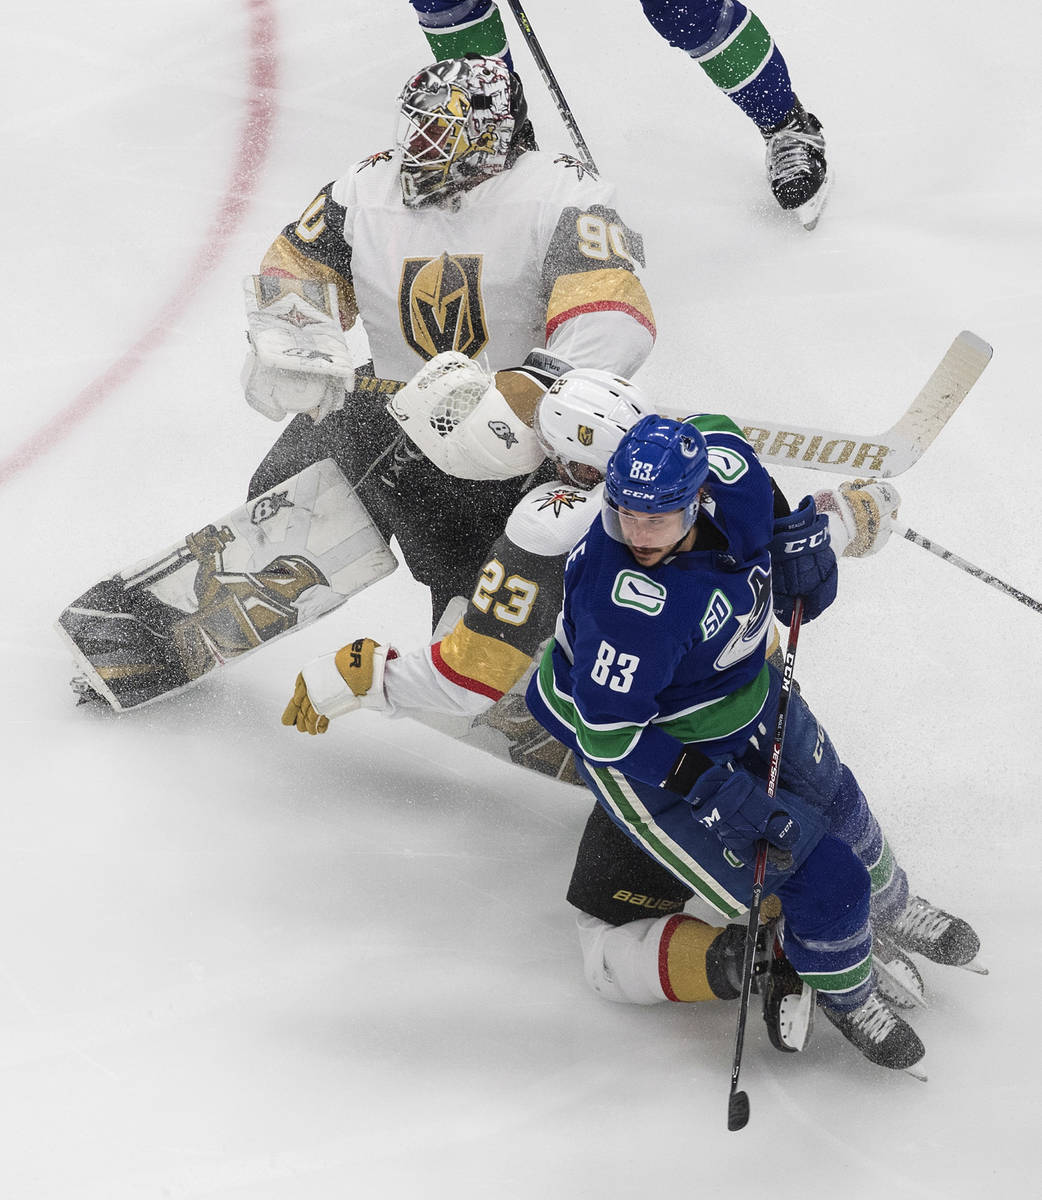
<point>462,240</point>
<point>638,944</point>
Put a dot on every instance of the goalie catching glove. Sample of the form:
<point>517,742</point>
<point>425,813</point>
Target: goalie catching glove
<point>299,360</point>
<point>456,413</point>
<point>339,683</point>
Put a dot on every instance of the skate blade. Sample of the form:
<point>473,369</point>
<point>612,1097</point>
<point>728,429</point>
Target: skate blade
<point>796,1019</point>
<point>900,992</point>
<point>975,967</point>
<point>917,1072</point>
<point>808,214</point>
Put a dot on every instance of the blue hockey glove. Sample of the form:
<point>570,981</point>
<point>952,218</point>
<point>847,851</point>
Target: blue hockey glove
<point>803,562</point>
<point>735,806</point>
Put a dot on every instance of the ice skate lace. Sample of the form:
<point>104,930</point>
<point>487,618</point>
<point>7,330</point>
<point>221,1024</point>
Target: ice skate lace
<point>922,920</point>
<point>789,154</point>
<point>874,1019</point>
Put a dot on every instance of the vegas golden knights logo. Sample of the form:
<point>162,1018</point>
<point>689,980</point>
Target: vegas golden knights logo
<point>237,610</point>
<point>585,435</point>
<point>440,305</point>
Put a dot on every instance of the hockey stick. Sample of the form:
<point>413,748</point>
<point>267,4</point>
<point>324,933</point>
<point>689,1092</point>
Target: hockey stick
<point>738,1102</point>
<point>977,572</point>
<point>879,456</point>
<point>551,82</point>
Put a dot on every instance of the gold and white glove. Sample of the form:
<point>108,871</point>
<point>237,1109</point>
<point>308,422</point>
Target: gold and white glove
<point>860,515</point>
<point>339,683</point>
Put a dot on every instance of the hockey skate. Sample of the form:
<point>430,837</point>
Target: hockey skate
<point>880,1034</point>
<point>922,928</point>
<point>788,1004</point>
<point>796,166</point>
<point>897,977</point>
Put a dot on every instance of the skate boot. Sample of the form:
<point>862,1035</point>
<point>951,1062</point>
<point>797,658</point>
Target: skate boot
<point>725,956</point>
<point>796,164</point>
<point>788,1005</point>
<point>897,977</point>
<point>880,1034</point>
<point>935,934</point>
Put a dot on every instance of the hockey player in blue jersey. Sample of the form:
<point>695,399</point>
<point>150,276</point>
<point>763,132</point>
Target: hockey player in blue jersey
<point>657,679</point>
<point>731,45</point>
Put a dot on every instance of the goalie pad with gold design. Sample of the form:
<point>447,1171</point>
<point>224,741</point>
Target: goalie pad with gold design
<point>275,564</point>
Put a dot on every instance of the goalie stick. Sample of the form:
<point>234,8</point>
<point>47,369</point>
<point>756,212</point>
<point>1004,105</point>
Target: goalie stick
<point>882,455</point>
<point>868,456</point>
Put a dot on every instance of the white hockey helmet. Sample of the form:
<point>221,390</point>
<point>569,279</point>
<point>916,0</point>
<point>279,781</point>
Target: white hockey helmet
<point>581,420</point>
<point>458,122</point>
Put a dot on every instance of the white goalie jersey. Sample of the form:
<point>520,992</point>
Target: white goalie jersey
<point>535,257</point>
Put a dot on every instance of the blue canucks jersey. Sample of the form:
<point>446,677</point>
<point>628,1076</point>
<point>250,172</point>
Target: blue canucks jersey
<point>646,660</point>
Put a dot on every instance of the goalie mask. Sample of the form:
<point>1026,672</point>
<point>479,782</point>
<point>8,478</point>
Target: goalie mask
<point>581,420</point>
<point>458,123</point>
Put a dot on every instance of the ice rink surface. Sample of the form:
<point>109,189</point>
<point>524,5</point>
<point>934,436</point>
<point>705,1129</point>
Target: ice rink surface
<point>240,963</point>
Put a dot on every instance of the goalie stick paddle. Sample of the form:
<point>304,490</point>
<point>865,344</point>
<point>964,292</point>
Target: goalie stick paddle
<point>926,543</point>
<point>880,455</point>
<point>738,1102</point>
<point>554,87</point>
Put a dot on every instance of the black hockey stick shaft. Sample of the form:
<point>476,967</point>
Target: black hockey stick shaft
<point>738,1102</point>
<point>926,543</point>
<point>550,80</point>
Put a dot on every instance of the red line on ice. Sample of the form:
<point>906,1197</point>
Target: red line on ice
<point>253,149</point>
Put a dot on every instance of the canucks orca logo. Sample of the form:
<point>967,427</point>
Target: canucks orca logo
<point>440,305</point>
<point>752,625</point>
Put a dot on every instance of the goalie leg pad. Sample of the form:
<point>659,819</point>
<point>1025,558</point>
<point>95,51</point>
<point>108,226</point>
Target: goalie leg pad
<point>263,570</point>
<point>647,961</point>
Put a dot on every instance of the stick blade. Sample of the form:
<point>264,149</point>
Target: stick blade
<point>960,368</point>
<point>881,455</point>
<point>738,1111</point>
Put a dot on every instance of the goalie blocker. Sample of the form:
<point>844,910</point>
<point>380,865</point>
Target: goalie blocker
<point>298,359</point>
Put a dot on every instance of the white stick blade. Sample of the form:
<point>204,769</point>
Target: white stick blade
<point>878,456</point>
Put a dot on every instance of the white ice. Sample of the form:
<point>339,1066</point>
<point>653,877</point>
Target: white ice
<point>239,963</point>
